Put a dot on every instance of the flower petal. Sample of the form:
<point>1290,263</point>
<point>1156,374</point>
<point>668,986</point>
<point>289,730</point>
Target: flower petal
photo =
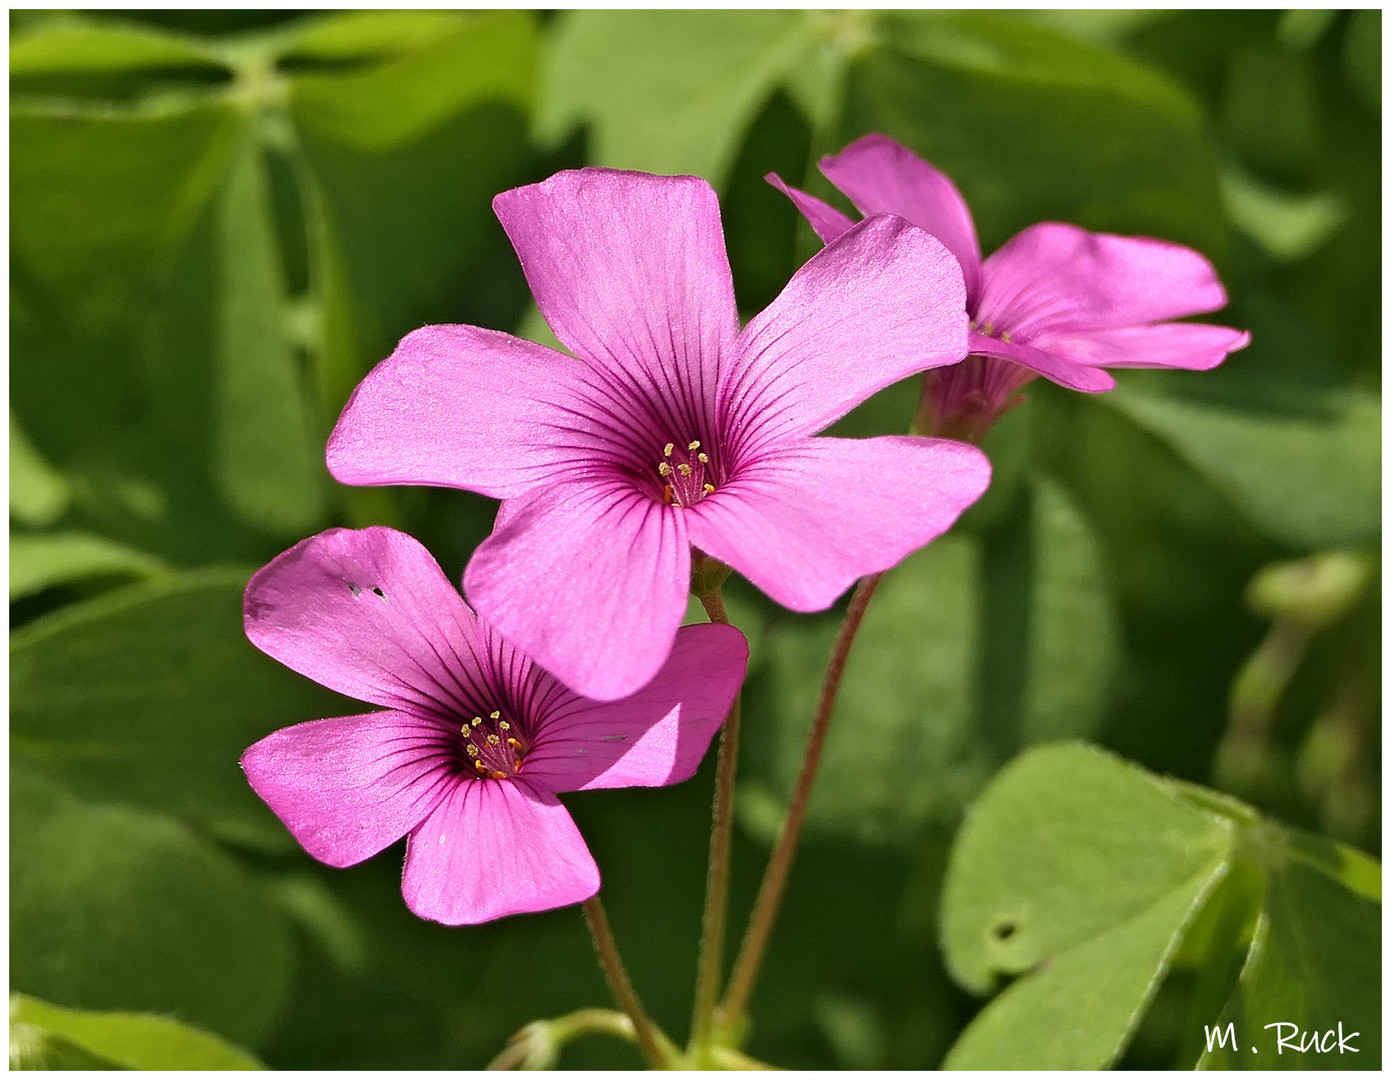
<point>803,524</point>
<point>826,221</point>
<point>882,176</point>
<point>590,581</point>
<point>883,301</point>
<point>1194,346</point>
<point>348,787</point>
<point>458,406</point>
<point>657,736</point>
<point>1058,368</point>
<point>370,614</point>
<point>631,273</point>
<point>1059,279</point>
<point>495,848</point>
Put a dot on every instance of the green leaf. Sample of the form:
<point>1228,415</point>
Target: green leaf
<point>1313,968</point>
<point>1033,126</point>
<point>115,908</point>
<point>1082,871</point>
<point>149,696</point>
<point>369,35</point>
<point>488,57</point>
<point>68,45</point>
<point>267,456</point>
<point>1306,473</point>
<point>39,493</point>
<point>670,91</point>
<point>39,562</point>
<point>141,177</point>
<point>127,1040</point>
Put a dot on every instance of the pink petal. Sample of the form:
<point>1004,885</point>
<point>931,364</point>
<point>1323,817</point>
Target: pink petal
<point>495,848</point>
<point>590,581</point>
<point>458,406</point>
<point>1059,279</point>
<point>1194,346</point>
<point>348,787</point>
<point>880,303</point>
<point>657,736</point>
<point>881,176</point>
<point>1058,367</point>
<point>370,614</point>
<point>630,272</point>
<point>803,524</point>
<point>826,221</point>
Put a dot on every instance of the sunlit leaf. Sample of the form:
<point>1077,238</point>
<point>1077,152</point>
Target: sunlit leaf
<point>40,561</point>
<point>127,1040</point>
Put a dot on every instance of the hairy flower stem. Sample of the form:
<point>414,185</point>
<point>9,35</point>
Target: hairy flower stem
<point>649,1038</point>
<point>765,908</point>
<point>710,960</point>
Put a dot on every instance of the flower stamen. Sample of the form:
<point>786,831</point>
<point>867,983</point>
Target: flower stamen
<point>494,753</point>
<point>685,483</point>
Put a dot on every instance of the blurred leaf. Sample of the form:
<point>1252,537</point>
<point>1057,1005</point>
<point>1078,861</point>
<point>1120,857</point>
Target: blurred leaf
<point>115,908</point>
<point>669,91</point>
<point>1034,126</point>
<point>368,35</point>
<point>40,561</point>
<point>67,45</point>
<point>325,918</point>
<point>1074,636</point>
<point>899,752</point>
<point>149,696</point>
<point>39,493</point>
<point>1289,227</point>
<point>1362,55</point>
<point>1307,477</point>
<point>267,459</point>
<point>141,178</point>
<point>130,1040</point>
<point>1080,869</point>
<point>487,57</point>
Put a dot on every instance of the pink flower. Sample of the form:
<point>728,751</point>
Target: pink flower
<point>1056,300</point>
<point>475,739</point>
<point>669,427</point>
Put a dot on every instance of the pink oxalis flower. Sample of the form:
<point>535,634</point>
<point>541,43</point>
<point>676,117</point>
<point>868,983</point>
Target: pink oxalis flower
<point>474,740</point>
<point>1056,300</point>
<point>669,427</point>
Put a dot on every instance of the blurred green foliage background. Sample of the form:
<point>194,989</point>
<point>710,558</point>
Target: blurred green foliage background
<point>220,221</point>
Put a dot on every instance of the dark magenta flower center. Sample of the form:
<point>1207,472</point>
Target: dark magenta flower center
<point>494,745</point>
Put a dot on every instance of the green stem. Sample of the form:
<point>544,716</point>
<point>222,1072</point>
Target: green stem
<point>538,1045</point>
<point>649,1038</point>
<point>711,956</point>
<point>765,908</point>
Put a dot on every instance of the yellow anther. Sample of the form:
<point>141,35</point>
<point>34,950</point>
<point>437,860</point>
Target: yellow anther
<point>703,458</point>
<point>684,470</point>
<point>1004,336</point>
<point>504,725</point>
<point>476,721</point>
<point>497,775</point>
<point>493,740</point>
<point>515,745</point>
<point>709,489</point>
<point>481,767</point>
<point>695,445</point>
<point>988,329</point>
<point>664,469</point>
<point>472,750</point>
<point>495,714</point>
<point>667,449</point>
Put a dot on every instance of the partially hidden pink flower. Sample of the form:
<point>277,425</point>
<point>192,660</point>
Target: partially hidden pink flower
<point>1056,300</point>
<point>473,741</point>
<point>669,427</point>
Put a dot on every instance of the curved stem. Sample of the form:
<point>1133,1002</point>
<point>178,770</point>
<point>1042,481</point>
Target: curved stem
<point>765,908</point>
<point>538,1045</point>
<point>649,1038</point>
<point>710,959</point>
